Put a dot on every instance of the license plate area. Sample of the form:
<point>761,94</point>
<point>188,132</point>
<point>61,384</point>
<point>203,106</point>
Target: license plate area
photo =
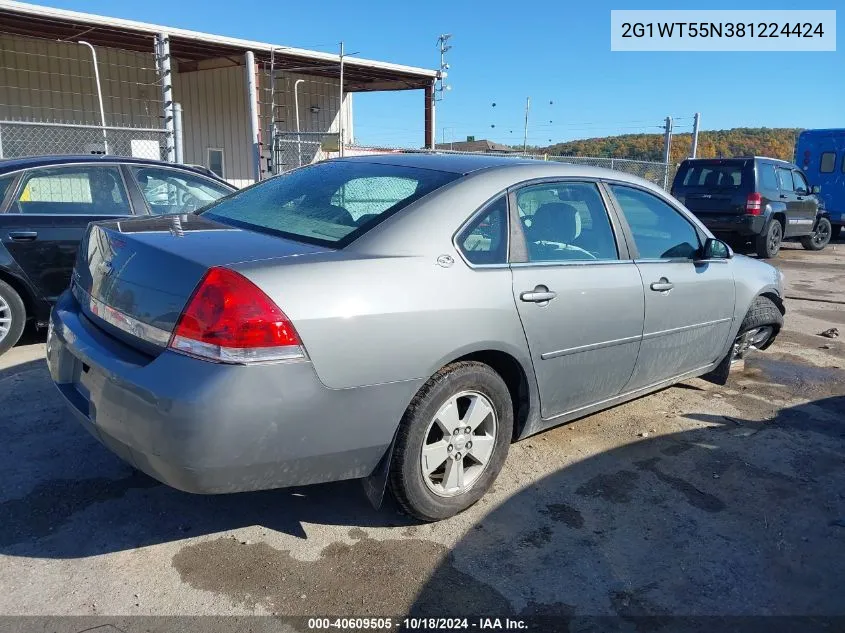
<point>81,373</point>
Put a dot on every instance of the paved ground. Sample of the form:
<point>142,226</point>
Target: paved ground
<point>695,500</point>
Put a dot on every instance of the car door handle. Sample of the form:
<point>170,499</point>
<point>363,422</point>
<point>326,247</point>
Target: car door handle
<point>540,294</point>
<point>784,196</point>
<point>22,236</point>
<point>664,285</point>
<point>800,198</point>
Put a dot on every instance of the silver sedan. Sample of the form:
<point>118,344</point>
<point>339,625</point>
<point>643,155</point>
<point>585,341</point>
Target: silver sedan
<point>400,319</point>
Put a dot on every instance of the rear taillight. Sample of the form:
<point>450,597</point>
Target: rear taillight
<point>754,204</point>
<point>229,319</point>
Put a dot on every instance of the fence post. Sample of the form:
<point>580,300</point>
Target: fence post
<point>1,141</point>
<point>667,150</point>
<point>252,109</point>
<point>178,137</point>
<point>99,94</point>
<point>162,50</point>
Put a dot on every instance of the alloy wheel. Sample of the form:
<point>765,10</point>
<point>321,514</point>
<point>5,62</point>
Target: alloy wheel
<point>459,443</point>
<point>822,235</point>
<point>775,237</point>
<point>751,339</point>
<point>5,318</point>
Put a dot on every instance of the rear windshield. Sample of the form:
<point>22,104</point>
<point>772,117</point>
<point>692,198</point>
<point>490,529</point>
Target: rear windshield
<point>330,203</point>
<point>715,175</point>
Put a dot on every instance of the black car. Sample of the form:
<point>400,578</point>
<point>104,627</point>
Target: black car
<point>46,203</point>
<point>758,200</point>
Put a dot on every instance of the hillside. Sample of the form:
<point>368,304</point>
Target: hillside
<point>774,142</point>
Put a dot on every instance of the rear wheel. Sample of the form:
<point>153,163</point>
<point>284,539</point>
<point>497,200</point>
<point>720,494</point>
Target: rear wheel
<point>452,441</point>
<point>12,317</point>
<point>820,237</point>
<point>767,244</point>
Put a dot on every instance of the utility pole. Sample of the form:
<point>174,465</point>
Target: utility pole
<point>696,123</point>
<point>441,86</point>
<point>667,150</point>
<point>525,132</point>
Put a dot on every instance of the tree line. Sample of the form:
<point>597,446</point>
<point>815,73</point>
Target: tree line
<point>743,141</point>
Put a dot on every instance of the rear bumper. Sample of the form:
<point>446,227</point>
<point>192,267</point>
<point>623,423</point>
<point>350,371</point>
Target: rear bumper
<point>212,428</point>
<point>734,224</point>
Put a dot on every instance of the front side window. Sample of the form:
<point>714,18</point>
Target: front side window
<point>73,190</point>
<point>828,162</point>
<point>659,230</point>
<point>800,182</point>
<point>329,203</point>
<point>485,239</point>
<point>174,191</point>
<point>785,179</point>
<point>565,221</point>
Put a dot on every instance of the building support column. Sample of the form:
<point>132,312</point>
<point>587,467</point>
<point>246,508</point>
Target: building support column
<point>162,54</point>
<point>429,117</point>
<point>252,105</point>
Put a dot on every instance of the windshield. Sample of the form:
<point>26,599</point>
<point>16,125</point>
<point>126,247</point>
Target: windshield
<point>329,203</point>
<point>715,175</point>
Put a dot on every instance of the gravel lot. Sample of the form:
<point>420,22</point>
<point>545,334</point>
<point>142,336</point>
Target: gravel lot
<point>695,500</point>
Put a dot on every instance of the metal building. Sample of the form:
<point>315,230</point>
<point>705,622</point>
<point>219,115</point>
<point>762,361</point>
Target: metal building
<point>80,83</point>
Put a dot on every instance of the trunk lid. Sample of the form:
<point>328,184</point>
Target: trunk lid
<point>146,269</point>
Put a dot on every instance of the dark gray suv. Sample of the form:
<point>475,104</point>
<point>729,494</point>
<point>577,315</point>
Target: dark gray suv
<point>755,199</point>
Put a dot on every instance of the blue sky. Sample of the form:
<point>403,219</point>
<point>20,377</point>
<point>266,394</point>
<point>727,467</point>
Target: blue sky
<point>556,52</point>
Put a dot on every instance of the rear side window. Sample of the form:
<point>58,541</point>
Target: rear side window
<point>5,183</point>
<point>828,162</point>
<point>76,190</point>
<point>485,240</point>
<point>768,179</point>
<point>785,179</point>
<point>330,203</point>
<point>713,175</point>
<point>565,221</point>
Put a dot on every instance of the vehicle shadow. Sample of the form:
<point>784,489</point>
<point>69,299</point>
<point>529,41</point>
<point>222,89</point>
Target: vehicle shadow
<point>67,496</point>
<point>736,518</point>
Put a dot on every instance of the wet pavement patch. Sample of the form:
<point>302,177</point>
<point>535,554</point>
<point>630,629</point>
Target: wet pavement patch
<point>616,487</point>
<point>694,496</point>
<point>565,514</point>
<point>390,577</point>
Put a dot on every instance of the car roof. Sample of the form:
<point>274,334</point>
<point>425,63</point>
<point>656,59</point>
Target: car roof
<point>30,162</point>
<point>730,158</point>
<point>454,163</point>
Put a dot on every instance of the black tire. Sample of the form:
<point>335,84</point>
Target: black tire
<point>763,311</point>
<point>835,230</point>
<point>820,237</point>
<point>11,306</point>
<point>406,479</point>
<point>767,244</point>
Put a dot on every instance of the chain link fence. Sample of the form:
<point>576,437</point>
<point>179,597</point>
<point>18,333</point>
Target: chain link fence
<point>25,138</point>
<point>295,150</point>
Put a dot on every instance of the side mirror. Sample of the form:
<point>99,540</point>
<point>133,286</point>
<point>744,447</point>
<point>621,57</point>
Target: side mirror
<point>715,249</point>
<point>816,189</point>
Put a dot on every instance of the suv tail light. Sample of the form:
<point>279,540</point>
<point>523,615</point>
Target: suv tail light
<point>754,204</point>
<point>229,319</point>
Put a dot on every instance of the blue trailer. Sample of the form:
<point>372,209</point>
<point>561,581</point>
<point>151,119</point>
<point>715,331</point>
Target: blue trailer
<point>821,155</point>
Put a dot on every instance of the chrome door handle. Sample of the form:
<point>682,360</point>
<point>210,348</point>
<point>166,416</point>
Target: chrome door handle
<point>540,294</point>
<point>664,285</point>
<point>22,236</point>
